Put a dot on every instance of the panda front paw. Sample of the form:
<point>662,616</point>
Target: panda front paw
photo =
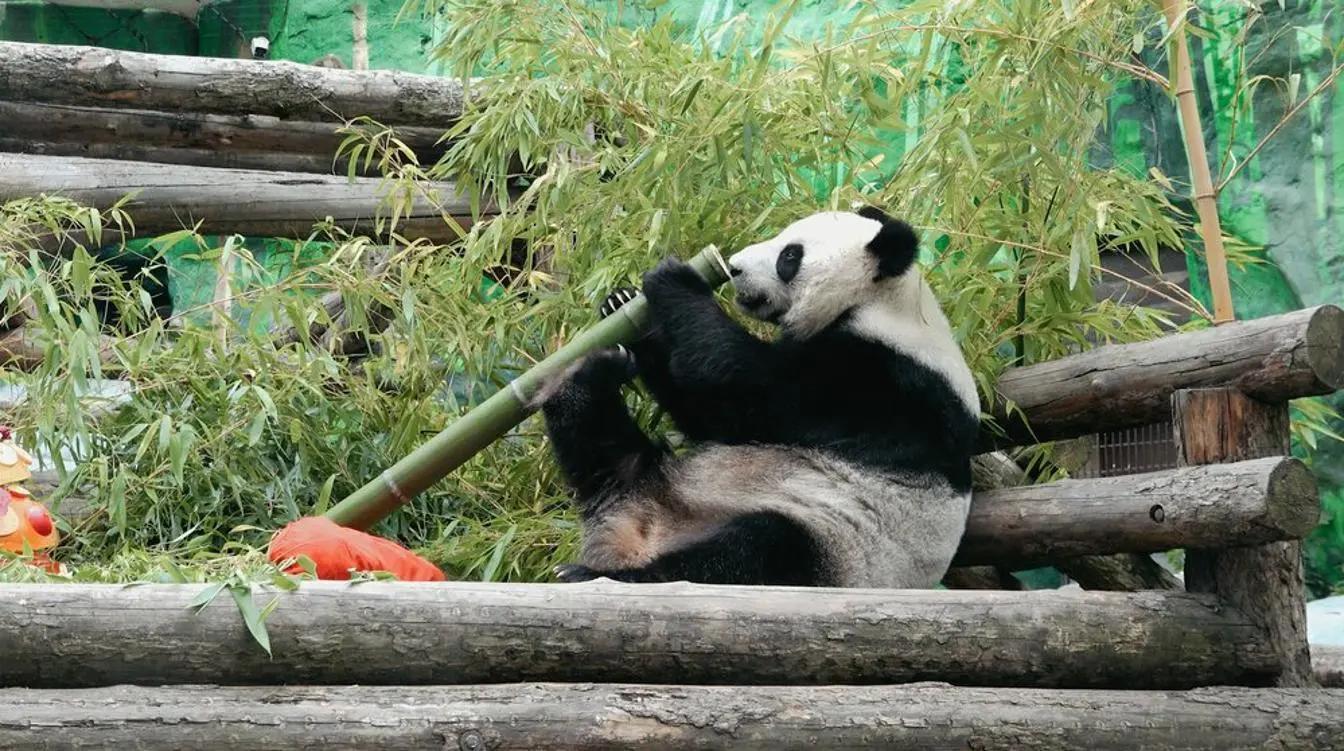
<point>616,300</point>
<point>608,367</point>
<point>573,573</point>
<point>674,273</point>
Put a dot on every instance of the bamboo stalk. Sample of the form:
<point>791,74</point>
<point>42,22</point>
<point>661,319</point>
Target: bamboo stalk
<point>489,421</point>
<point>1205,196</point>
<point>360,47</point>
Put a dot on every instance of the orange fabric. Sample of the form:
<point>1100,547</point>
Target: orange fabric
<point>28,514</point>
<point>336,550</point>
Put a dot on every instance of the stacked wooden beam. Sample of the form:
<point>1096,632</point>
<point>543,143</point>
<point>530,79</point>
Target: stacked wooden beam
<point>754,667</point>
<point>247,146</point>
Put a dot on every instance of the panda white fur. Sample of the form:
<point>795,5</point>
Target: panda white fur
<point>837,455</point>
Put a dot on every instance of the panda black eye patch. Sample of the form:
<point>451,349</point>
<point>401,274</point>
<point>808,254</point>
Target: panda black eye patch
<point>789,261</point>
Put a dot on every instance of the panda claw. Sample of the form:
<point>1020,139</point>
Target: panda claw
<point>571,573</point>
<point>616,300</point>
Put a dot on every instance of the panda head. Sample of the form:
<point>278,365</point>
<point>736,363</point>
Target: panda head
<point>819,267</point>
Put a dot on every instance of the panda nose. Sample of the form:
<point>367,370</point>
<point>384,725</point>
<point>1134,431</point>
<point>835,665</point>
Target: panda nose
<point>733,270</point>
<point>751,301</point>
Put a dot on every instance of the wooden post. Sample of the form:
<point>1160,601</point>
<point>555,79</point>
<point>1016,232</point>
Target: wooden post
<point>1265,582</point>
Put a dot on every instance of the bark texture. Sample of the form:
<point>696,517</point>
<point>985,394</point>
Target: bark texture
<point>1238,504</point>
<point>1273,359</point>
<point>248,202</point>
<point>920,717</point>
<point>1266,582</point>
<point>76,635</point>
<point>59,74</point>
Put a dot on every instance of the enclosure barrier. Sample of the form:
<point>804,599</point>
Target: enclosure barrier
<point>258,142</point>
<point>582,716</point>
<point>747,667</point>
<point>335,633</point>
<point>261,203</point>
<point>94,76</point>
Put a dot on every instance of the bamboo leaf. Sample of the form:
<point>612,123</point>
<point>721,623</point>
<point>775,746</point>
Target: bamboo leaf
<point>256,623</point>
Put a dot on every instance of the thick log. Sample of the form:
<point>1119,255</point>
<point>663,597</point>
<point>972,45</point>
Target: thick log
<point>188,138</point>
<point>920,717</point>
<point>1273,359</point>
<point>248,202</point>
<point>409,633</point>
<point>1267,581</point>
<point>1123,572</point>
<point>1327,663</point>
<point>84,76</point>
<point>1218,505</point>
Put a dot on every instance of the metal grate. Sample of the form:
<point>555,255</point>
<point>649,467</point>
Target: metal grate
<point>1146,448</point>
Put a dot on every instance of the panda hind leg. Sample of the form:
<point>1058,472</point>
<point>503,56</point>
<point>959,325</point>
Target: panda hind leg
<point>599,447</point>
<point>763,548</point>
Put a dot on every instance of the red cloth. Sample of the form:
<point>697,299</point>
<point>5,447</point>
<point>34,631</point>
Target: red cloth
<point>336,550</point>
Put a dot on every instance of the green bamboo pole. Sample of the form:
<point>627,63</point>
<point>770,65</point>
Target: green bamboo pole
<point>499,414</point>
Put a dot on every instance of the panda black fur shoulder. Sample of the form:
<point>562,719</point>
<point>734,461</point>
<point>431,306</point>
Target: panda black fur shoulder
<point>837,455</point>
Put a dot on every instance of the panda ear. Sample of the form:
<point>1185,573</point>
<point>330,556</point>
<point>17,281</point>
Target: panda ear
<point>895,245</point>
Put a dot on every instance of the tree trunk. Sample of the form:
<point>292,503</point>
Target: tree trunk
<point>920,717</point>
<point>1265,582</point>
<point>262,204</point>
<point>1273,359</point>
<point>93,76</point>
<point>413,633</point>
<point>190,138</point>
<point>1245,503</point>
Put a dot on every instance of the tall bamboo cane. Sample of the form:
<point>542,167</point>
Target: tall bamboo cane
<point>1205,196</point>
<point>494,417</point>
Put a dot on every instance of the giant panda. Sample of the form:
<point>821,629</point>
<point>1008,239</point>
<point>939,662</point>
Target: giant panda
<point>836,455</point>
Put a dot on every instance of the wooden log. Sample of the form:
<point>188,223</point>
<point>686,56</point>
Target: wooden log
<point>188,138</point>
<point>248,202</point>
<point>1265,582</point>
<point>415,633</point>
<point>919,717</point>
<point>982,577</point>
<point>186,8</point>
<point>1327,664</point>
<point>1123,572</point>
<point>85,76</point>
<point>1239,504</point>
<point>1274,359</point>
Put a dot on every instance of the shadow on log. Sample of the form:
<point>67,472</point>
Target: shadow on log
<point>189,138</point>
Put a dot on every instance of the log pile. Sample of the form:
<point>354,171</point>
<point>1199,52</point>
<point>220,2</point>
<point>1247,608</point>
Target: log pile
<point>244,146</point>
<point>249,146</point>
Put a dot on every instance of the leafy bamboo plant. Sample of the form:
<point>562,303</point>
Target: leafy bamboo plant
<point>606,146</point>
